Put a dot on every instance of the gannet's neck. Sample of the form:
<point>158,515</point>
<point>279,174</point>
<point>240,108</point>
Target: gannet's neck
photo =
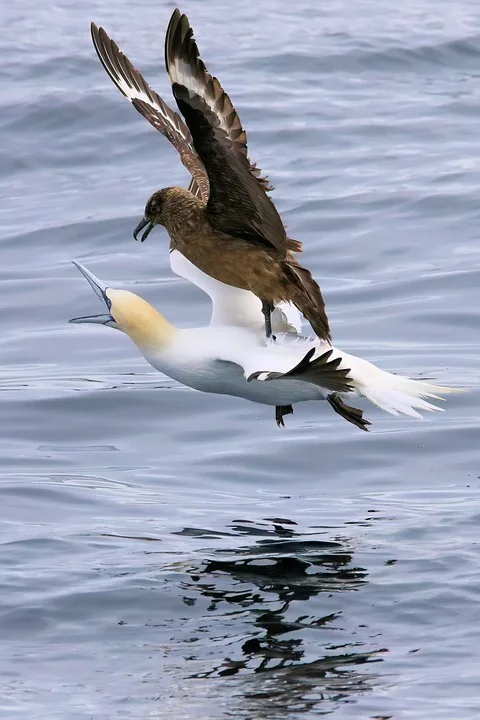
<point>148,329</point>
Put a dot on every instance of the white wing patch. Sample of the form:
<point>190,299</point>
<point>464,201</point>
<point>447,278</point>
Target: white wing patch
<point>180,72</point>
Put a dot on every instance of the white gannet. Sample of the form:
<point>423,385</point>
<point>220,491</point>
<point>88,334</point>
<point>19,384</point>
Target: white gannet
<point>234,307</point>
<point>243,363</point>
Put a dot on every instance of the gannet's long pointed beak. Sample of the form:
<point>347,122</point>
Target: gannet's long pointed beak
<point>105,319</point>
<point>100,289</point>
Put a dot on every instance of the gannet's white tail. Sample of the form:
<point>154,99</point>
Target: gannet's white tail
<point>393,393</point>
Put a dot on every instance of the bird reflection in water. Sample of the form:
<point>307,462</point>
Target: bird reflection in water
<point>261,593</point>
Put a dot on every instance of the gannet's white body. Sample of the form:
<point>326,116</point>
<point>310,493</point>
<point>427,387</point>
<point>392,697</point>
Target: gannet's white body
<point>221,359</point>
<point>240,361</point>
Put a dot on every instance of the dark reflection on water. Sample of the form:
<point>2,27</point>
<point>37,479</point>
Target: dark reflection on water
<point>263,591</point>
<point>300,689</point>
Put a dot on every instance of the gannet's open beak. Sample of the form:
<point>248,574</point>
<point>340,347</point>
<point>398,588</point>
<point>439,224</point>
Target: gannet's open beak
<point>99,289</point>
<point>143,223</point>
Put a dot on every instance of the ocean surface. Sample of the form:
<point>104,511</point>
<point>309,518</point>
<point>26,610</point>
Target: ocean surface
<point>169,554</point>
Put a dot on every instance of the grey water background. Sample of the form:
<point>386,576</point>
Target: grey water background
<point>170,554</point>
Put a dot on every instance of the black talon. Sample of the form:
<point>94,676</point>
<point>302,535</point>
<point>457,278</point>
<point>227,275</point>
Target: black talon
<point>267,311</point>
<point>352,414</point>
<point>280,412</point>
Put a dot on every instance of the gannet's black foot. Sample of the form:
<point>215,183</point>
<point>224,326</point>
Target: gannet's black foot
<point>353,415</point>
<point>280,412</point>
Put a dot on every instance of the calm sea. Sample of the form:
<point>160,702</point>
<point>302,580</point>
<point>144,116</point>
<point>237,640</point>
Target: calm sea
<point>168,554</point>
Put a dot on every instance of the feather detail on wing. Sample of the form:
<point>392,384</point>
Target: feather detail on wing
<point>321,371</point>
<point>148,103</point>
<point>185,67</point>
<point>238,204</point>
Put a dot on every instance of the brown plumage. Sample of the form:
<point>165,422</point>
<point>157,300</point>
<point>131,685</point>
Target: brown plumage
<point>148,103</point>
<point>226,224</point>
<point>251,265</point>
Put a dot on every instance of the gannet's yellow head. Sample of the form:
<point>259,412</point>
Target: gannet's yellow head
<point>130,313</point>
<point>141,321</point>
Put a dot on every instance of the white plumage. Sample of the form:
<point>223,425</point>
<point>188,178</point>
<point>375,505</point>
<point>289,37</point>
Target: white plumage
<point>222,358</point>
